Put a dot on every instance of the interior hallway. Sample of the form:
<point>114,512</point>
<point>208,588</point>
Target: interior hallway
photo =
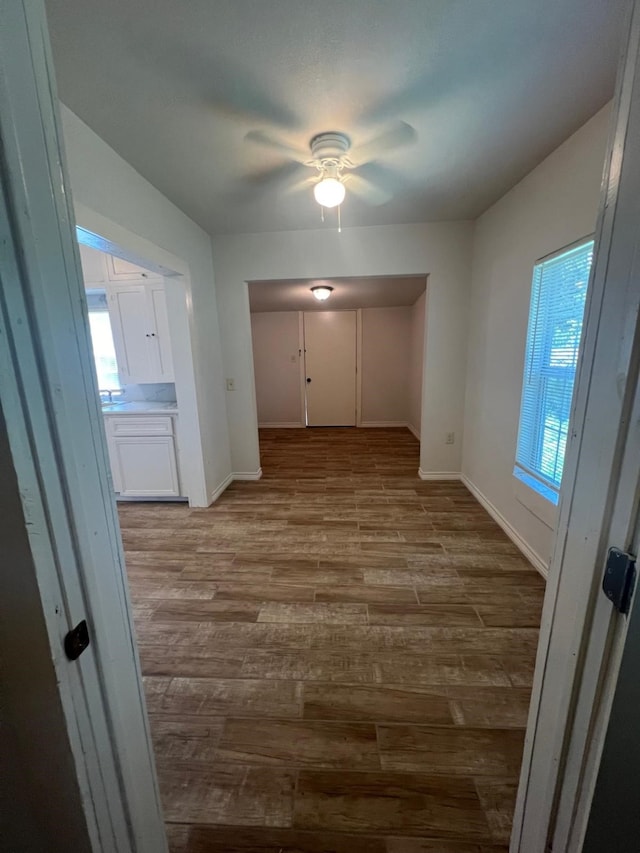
<point>337,657</point>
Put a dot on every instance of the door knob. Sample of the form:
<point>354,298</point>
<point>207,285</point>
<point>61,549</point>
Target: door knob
<point>308,380</point>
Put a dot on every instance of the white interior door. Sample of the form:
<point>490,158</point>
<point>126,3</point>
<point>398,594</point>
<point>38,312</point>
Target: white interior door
<point>330,361</point>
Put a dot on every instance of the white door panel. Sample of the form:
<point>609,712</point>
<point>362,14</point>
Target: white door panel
<point>330,360</point>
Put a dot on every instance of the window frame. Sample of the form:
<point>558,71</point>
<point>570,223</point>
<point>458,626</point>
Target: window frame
<point>537,500</point>
<point>91,294</point>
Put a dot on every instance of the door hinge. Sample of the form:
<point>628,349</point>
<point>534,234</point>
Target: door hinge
<point>77,640</point>
<point>619,579</point>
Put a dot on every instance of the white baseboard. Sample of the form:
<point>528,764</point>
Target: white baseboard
<point>438,475</point>
<point>220,489</point>
<point>415,431</point>
<point>535,559</point>
<point>247,475</point>
<point>378,424</point>
<point>283,425</point>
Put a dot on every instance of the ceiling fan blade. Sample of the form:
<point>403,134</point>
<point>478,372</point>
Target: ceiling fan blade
<point>259,137</point>
<point>300,186</point>
<point>366,190</point>
<point>398,136</point>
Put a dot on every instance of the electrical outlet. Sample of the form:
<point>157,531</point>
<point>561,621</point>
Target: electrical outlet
<point>451,438</point>
<point>231,385</point>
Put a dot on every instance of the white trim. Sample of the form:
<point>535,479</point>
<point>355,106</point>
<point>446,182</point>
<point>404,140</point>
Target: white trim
<point>221,488</point>
<point>302,370</point>
<point>535,559</point>
<point>383,424</point>
<point>438,475</point>
<point>536,503</point>
<point>283,425</point>
<point>359,368</point>
<point>415,431</point>
<point>247,475</point>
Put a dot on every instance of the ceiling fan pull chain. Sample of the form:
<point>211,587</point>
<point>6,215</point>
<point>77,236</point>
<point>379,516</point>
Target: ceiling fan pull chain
<point>321,213</point>
<point>339,220</point>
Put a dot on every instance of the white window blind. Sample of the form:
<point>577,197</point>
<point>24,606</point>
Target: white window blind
<point>558,295</point>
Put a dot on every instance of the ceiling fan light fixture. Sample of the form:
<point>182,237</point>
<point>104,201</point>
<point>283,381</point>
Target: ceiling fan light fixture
<point>329,192</point>
<point>322,292</point>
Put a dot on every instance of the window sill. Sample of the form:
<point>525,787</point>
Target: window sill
<point>537,504</point>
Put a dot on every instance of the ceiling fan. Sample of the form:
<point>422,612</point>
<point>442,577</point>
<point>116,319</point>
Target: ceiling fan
<point>337,167</point>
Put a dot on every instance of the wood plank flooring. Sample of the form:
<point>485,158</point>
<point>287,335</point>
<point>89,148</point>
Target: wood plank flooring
<point>337,658</point>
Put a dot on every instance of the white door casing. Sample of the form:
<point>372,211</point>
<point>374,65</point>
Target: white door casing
<point>55,432</point>
<point>330,366</point>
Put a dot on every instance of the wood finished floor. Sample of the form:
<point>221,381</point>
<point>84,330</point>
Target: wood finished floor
<point>337,658</point>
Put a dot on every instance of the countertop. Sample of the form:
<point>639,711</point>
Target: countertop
<point>142,408</point>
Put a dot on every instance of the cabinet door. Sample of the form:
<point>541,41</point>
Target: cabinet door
<point>120,270</point>
<point>160,338</point>
<point>130,325</point>
<point>94,270</point>
<point>146,466</point>
<point>113,461</point>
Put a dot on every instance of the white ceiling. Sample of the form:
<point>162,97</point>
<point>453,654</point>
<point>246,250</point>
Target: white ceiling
<point>362,292</point>
<point>490,86</point>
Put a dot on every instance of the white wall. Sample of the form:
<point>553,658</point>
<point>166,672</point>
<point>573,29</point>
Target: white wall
<point>386,337</point>
<point>442,250</point>
<point>416,361</point>
<point>553,206</point>
<point>276,343</point>
<point>105,185</point>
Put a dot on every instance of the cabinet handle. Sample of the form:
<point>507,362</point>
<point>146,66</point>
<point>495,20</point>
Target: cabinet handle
<point>153,334</point>
<point>147,336</point>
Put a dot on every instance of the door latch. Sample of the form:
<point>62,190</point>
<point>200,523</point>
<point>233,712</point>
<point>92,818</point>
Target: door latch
<point>619,579</point>
<point>77,640</point>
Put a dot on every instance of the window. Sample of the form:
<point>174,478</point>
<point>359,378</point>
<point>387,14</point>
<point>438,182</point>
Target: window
<point>558,295</point>
<point>104,353</point>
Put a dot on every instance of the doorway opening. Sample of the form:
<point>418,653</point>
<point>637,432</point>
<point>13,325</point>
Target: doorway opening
<point>353,360</point>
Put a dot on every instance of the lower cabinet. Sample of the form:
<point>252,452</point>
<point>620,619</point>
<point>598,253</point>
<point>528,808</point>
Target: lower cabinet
<point>143,456</point>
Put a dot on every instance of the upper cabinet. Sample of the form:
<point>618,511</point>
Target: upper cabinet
<point>138,315</point>
<point>98,268</point>
<point>140,327</point>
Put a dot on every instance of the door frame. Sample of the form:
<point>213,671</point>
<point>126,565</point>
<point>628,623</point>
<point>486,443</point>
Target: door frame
<point>63,453</point>
<point>582,637</point>
<point>57,443</point>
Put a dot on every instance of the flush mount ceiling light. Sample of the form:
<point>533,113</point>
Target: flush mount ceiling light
<point>322,292</point>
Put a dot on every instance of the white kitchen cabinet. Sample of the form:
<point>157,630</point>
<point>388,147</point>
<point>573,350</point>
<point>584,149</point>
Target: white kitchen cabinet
<point>99,267</point>
<point>120,270</point>
<point>140,326</point>
<point>142,453</point>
